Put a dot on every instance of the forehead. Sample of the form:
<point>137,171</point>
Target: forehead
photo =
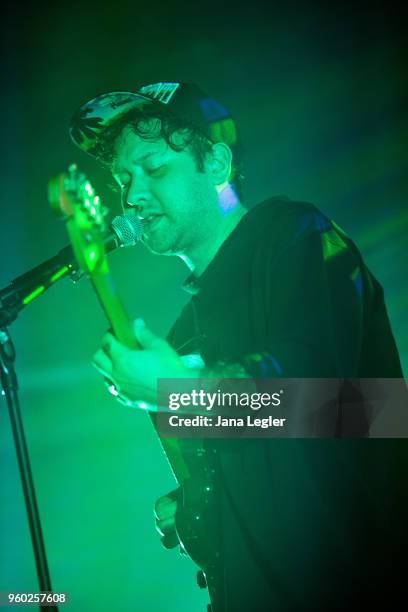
<point>130,147</point>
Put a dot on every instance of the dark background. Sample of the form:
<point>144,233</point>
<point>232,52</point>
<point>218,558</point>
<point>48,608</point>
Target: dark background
<point>319,92</point>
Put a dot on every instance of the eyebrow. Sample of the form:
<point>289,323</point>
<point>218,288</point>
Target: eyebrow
<point>115,170</point>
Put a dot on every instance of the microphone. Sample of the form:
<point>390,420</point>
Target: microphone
<point>125,230</point>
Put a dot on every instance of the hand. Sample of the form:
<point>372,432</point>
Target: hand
<point>134,373</point>
<point>165,511</point>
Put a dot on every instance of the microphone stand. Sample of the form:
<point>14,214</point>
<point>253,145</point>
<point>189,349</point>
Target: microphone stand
<point>9,309</point>
<point>10,390</point>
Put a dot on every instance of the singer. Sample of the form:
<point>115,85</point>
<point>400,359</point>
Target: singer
<point>276,291</point>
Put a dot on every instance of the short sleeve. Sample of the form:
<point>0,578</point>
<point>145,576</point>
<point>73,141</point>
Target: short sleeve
<point>313,292</point>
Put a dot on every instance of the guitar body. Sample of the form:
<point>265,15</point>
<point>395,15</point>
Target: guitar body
<point>198,529</point>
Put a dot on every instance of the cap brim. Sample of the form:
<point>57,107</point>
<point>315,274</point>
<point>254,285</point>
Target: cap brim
<point>95,116</point>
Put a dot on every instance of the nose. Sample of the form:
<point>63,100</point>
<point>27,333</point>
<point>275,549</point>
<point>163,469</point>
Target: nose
<point>136,196</point>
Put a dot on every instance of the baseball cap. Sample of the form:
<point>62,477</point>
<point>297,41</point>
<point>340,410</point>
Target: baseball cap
<point>185,101</point>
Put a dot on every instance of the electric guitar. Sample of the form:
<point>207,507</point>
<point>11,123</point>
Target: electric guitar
<point>73,198</point>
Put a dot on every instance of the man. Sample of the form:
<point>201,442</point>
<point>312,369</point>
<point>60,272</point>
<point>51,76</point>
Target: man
<point>278,291</point>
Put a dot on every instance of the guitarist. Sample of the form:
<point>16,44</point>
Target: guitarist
<point>276,291</point>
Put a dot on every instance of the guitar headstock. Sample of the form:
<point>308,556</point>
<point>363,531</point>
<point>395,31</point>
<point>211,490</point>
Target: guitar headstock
<point>73,198</point>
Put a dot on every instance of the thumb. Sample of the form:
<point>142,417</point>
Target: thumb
<point>146,338</point>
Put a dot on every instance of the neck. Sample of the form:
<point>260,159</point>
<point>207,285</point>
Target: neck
<point>201,256</point>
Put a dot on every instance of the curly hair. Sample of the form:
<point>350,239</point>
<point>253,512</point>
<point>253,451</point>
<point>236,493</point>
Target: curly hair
<point>193,139</point>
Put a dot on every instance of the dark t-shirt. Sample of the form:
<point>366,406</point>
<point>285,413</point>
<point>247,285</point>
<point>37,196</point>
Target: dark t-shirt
<point>290,285</point>
<point>306,524</point>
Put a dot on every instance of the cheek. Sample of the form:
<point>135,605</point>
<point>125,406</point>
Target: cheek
<point>174,198</point>
<point>183,196</point>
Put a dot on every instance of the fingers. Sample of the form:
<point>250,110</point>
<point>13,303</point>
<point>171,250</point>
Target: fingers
<point>112,347</point>
<point>105,357</point>
<point>166,527</point>
<point>114,350</point>
<point>170,541</point>
<point>165,508</point>
<point>146,338</point>
<point>102,362</point>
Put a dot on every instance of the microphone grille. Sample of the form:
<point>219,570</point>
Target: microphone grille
<point>128,228</point>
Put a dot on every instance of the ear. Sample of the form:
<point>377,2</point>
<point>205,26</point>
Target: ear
<point>218,163</point>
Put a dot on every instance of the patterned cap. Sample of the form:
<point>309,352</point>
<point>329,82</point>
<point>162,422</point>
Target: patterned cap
<point>186,101</point>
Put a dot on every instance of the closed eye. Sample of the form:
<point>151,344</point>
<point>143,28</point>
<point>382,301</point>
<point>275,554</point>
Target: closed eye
<point>157,171</point>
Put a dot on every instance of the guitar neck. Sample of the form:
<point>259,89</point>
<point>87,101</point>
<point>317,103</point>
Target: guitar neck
<point>122,328</point>
<point>72,197</point>
<point>113,309</point>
